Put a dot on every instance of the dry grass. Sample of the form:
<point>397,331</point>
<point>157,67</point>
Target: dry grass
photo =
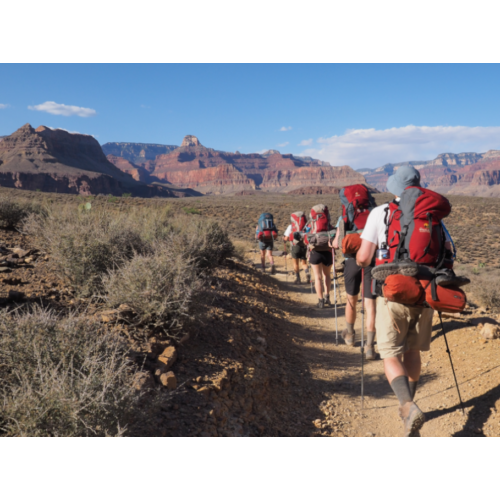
<point>63,377</point>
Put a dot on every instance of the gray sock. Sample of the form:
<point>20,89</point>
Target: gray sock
<point>370,338</point>
<point>413,387</point>
<point>350,328</point>
<point>402,390</point>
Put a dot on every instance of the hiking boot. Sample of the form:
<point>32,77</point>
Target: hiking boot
<point>349,338</point>
<point>369,352</point>
<point>273,269</point>
<point>413,419</point>
<point>404,267</point>
<point>321,303</point>
<point>327,300</point>
<point>297,279</point>
<point>446,277</point>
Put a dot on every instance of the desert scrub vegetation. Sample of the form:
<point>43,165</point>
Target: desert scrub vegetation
<point>14,213</point>
<point>64,377</point>
<point>484,286</point>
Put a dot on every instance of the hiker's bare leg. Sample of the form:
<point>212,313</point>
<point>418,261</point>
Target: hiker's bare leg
<point>270,257</point>
<point>370,314</point>
<point>296,265</point>
<point>318,282</point>
<point>263,258</point>
<point>350,308</point>
<point>393,368</point>
<point>304,265</point>
<point>413,364</point>
<point>328,278</point>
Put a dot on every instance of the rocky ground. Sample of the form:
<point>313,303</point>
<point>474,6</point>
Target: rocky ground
<point>261,360</point>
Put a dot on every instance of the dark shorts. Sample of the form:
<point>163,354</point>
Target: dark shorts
<point>299,252</point>
<point>324,258</point>
<point>352,277</point>
<point>266,245</point>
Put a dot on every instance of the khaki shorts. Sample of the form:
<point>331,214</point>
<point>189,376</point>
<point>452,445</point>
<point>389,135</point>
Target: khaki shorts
<point>414,325</point>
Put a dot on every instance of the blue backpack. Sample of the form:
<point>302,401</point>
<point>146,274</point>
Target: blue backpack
<point>265,227</point>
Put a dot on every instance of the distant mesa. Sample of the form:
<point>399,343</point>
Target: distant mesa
<point>209,171</point>
<point>55,160</point>
<point>473,174</point>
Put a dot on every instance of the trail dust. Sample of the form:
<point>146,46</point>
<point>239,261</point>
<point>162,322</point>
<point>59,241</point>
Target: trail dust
<point>336,371</point>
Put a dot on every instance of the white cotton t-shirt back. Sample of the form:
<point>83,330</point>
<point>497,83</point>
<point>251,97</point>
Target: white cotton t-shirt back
<point>375,227</point>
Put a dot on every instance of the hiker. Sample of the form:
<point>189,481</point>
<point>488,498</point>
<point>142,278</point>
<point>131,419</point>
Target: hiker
<point>265,234</point>
<point>294,233</point>
<point>357,203</point>
<point>403,331</point>
<point>318,240</point>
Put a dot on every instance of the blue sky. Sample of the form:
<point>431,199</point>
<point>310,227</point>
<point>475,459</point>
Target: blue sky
<point>361,115</point>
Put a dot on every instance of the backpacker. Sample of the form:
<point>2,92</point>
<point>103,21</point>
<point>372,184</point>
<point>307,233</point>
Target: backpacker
<point>298,223</point>
<point>266,230</point>
<point>415,252</point>
<point>357,204</point>
<point>321,229</point>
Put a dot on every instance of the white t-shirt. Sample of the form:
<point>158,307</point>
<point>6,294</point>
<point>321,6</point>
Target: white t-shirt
<point>288,231</point>
<point>375,227</point>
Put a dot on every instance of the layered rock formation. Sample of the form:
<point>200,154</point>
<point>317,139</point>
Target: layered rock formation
<point>136,152</point>
<point>217,172</point>
<point>475,174</point>
<point>59,161</point>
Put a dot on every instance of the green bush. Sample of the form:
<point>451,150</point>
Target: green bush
<point>64,377</point>
<point>191,211</point>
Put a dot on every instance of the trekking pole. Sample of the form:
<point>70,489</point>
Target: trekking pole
<point>286,263</point>
<point>335,298</point>
<point>362,335</point>
<point>451,362</point>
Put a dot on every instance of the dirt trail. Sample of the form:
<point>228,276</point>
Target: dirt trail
<point>336,372</point>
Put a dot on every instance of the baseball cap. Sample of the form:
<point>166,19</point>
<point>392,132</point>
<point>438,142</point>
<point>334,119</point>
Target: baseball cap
<point>403,177</point>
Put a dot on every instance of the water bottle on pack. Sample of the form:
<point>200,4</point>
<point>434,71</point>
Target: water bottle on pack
<point>382,253</point>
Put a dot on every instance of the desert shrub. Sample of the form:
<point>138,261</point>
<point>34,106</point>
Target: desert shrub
<point>158,287</point>
<point>206,242</point>
<point>240,250</point>
<point>85,245</point>
<point>484,287</point>
<point>191,211</point>
<point>13,214</point>
<point>63,377</point>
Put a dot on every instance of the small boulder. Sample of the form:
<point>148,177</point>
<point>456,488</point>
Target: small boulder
<point>109,315</point>
<point>16,295</point>
<point>490,331</point>
<point>143,381</point>
<point>167,358</point>
<point>20,253</point>
<point>169,380</point>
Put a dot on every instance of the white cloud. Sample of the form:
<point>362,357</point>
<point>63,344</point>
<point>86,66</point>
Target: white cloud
<point>3,106</point>
<point>371,148</point>
<point>306,142</point>
<point>62,109</point>
<point>285,129</point>
<point>283,144</point>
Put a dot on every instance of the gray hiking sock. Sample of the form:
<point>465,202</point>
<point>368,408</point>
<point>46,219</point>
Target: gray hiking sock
<point>370,338</point>
<point>413,388</point>
<point>402,390</point>
<point>350,328</point>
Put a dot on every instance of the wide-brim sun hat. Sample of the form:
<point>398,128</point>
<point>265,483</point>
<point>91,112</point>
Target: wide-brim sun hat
<point>404,177</point>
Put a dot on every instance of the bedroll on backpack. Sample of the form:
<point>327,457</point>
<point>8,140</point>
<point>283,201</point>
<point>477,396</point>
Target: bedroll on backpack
<point>357,202</point>
<point>321,229</point>
<point>351,243</point>
<point>266,230</point>
<point>298,223</point>
<point>412,291</point>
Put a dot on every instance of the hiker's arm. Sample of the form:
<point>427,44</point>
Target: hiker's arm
<point>365,254</point>
<point>335,243</point>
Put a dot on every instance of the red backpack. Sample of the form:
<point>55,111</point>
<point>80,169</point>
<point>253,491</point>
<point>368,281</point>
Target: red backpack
<point>321,228</point>
<point>298,223</point>
<point>357,203</point>
<point>414,231</point>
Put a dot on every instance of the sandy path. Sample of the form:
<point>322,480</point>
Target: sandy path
<point>336,371</point>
